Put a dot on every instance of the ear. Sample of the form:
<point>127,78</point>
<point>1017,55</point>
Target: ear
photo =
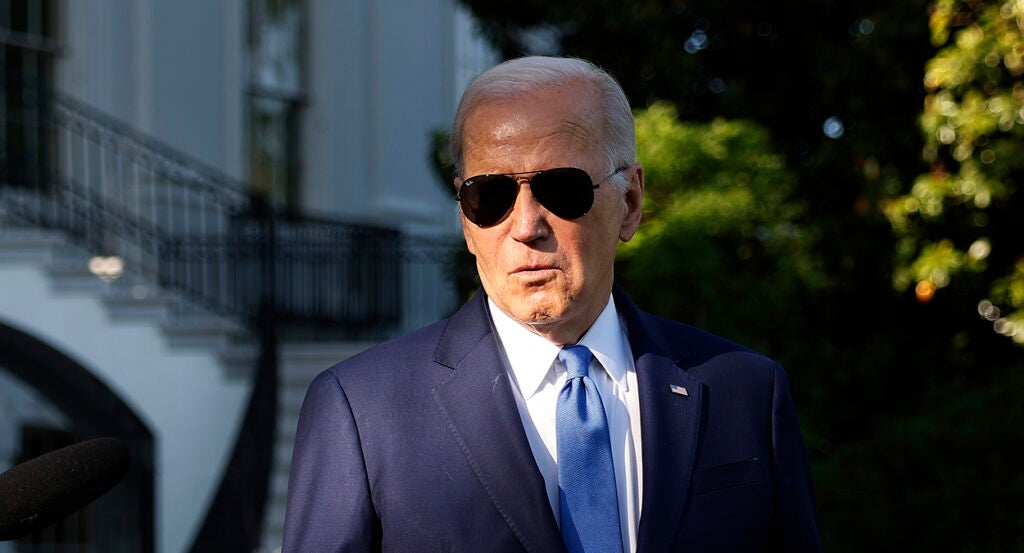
<point>634,199</point>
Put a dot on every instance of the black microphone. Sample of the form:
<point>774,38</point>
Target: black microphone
<point>41,491</point>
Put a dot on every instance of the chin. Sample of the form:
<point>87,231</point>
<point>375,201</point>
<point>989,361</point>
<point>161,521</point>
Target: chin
<point>532,312</point>
<point>540,318</point>
<point>545,303</point>
<point>535,305</point>
<point>544,313</point>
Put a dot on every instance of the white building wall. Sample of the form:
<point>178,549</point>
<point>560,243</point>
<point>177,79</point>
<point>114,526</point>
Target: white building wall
<point>336,143</point>
<point>185,397</point>
<point>383,74</point>
<point>410,97</point>
<point>172,70</point>
<point>96,65</point>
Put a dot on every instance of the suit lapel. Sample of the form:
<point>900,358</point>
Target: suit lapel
<point>669,429</point>
<point>477,403</point>
<point>670,421</point>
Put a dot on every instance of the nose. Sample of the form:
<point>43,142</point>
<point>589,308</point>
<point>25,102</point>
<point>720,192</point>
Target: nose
<point>528,218</point>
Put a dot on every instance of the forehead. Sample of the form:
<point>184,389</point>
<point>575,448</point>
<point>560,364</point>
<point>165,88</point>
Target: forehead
<point>547,125</point>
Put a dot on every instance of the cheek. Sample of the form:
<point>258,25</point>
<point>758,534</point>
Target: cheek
<point>467,234</point>
<point>582,257</point>
<point>596,253</point>
<point>485,251</point>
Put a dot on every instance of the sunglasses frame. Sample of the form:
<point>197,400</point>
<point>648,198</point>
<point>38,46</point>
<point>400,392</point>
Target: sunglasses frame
<point>517,177</point>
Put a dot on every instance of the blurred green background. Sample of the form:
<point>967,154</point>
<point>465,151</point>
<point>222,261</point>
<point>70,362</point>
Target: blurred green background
<point>836,184</point>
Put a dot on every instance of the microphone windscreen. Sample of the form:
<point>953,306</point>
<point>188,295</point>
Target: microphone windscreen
<point>42,491</point>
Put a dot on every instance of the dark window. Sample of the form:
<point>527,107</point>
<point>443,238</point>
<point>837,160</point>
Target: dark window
<point>27,47</point>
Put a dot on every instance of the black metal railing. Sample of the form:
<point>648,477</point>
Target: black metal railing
<point>189,228</point>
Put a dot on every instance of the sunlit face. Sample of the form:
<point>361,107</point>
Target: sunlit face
<point>550,274</point>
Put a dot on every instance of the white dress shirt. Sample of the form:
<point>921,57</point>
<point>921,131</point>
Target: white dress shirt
<point>538,377</point>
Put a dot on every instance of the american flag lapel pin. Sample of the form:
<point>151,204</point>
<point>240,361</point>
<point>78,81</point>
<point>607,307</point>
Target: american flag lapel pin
<point>679,390</point>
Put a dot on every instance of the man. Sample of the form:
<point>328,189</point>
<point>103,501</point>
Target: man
<point>493,430</point>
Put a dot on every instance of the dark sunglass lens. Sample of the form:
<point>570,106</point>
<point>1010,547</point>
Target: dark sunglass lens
<point>567,192</point>
<point>487,199</point>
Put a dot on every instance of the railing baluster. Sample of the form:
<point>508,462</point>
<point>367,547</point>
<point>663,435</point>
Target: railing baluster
<point>105,188</point>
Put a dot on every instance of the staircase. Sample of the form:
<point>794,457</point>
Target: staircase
<point>300,363</point>
<point>129,300</point>
<point>168,243</point>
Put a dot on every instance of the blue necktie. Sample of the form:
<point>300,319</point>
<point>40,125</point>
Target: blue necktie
<point>586,480</point>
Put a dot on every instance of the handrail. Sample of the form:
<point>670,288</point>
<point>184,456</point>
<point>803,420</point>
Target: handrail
<point>172,163</point>
<point>190,229</point>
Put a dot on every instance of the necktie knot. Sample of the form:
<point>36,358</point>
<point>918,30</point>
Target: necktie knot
<point>576,360</point>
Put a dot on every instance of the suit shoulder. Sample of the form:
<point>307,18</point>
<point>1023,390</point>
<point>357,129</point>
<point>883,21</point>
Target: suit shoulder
<point>712,356</point>
<point>398,354</point>
<point>671,337</point>
<point>700,342</point>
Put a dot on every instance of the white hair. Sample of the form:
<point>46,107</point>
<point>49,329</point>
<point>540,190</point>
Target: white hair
<point>522,76</point>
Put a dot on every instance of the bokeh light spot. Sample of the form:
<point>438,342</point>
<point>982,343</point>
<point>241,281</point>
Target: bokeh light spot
<point>833,127</point>
<point>925,291</point>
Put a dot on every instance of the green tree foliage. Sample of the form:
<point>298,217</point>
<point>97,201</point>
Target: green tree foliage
<point>965,214</point>
<point>790,65</point>
<point>776,136</point>
<point>719,203</point>
<point>944,479</point>
<point>724,246</point>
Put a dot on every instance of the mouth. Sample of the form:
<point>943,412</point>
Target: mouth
<point>532,272</point>
<point>533,268</point>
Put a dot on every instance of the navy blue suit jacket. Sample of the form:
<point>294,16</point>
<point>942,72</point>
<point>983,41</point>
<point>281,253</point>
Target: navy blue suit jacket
<point>416,445</point>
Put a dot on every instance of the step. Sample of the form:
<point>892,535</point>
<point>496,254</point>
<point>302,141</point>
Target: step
<point>198,331</point>
<point>20,245</point>
<point>138,303</point>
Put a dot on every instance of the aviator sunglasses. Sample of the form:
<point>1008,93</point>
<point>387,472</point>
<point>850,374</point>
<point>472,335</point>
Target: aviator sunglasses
<point>567,192</point>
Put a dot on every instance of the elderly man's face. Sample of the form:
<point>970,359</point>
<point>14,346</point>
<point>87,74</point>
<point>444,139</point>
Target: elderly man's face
<point>550,274</point>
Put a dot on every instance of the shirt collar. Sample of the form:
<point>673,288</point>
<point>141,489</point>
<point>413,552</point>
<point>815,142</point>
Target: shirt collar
<point>532,356</point>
